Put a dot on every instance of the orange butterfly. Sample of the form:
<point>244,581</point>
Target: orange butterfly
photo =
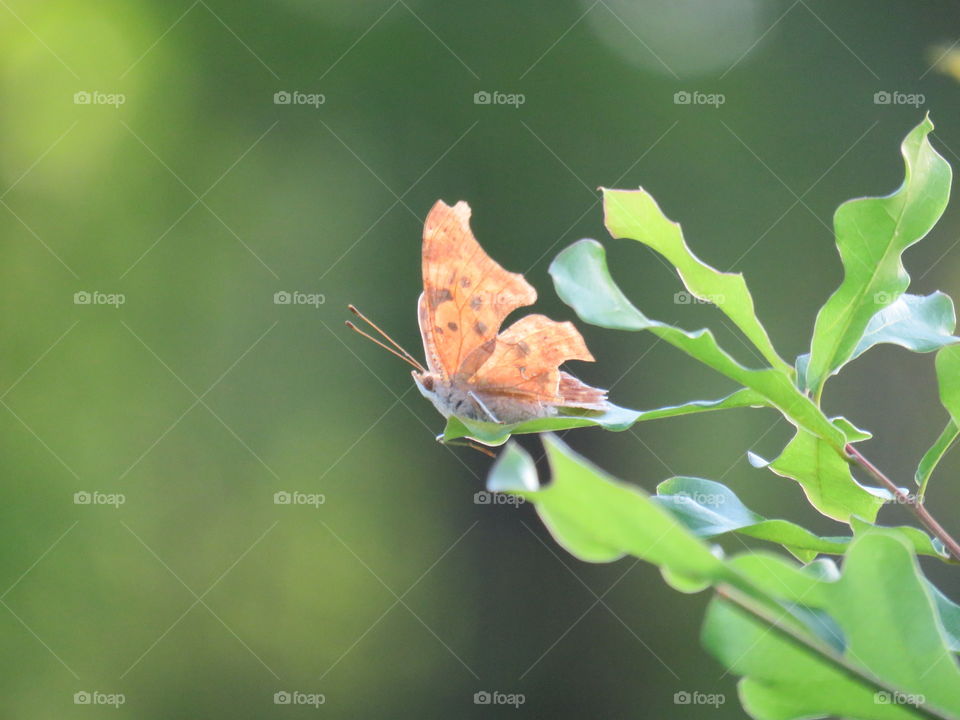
<point>473,370</point>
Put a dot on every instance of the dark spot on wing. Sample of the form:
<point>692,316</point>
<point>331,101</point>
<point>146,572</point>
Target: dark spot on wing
<point>453,326</point>
<point>475,302</point>
<point>438,329</point>
<point>435,297</point>
<point>523,348</point>
<point>479,328</point>
<point>465,281</point>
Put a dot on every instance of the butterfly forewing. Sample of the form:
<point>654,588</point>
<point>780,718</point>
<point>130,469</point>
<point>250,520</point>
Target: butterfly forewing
<point>466,294</point>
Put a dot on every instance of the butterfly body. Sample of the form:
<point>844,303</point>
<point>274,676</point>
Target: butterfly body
<point>461,399</point>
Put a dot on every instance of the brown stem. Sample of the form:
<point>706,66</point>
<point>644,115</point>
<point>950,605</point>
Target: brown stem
<point>910,501</point>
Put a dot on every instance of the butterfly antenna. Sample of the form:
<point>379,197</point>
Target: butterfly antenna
<point>384,346</point>
<point>399,348</point>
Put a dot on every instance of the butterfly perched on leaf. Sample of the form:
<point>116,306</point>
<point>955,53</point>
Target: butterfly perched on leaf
<point>473,370</point>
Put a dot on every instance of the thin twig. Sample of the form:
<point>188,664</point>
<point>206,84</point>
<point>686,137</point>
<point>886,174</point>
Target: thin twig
<point>910,501</point>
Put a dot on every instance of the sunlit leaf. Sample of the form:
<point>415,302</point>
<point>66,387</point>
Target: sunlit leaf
<point>948,380</point>
<point>851,431</point>
<point>490,433</point>
<point>634,214</point>
<point>583,281</point>
<point>710,509</point>
<point>922,323</point>
<point>949,615</point>
<point>513,470</point>
<point>826,478</point>
<point>892,638</point>
<point>599,519</point>
<point>810,641</point>
<point>931,458</point>
<point>872,233</point>
<point>616,419</point>
<point>916,538</point>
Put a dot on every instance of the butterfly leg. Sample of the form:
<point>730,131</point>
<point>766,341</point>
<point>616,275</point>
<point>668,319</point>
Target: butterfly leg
<point>483,407</point>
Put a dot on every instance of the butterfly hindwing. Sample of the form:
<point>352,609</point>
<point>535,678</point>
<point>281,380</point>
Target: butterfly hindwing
<point>524,361</point>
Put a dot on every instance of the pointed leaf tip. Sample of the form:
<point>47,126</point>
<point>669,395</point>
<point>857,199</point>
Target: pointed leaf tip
<point>513,471</point>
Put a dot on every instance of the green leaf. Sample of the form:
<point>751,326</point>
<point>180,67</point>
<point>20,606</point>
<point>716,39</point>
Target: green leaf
<point>514,470</point>
<point>931,458</point>
<point>916,538</point>
<point>889,629</point>
<point>599,519</point>
<point>583,281</point>
<point>493,434</point>
<point>948,379</point>
<point>826,479</point>
<point>851,431</point>
<point>615,419</point>
<point>634,214</point>
<point>811,644</point>
<point>909,649</point>
<point>872,233</point>
<point>949,615</point>
<point>801,365</point>
<point>710,509</point>
<point>921,323</point>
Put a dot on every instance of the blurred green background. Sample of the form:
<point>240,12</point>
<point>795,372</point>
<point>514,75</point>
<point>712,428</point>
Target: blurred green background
<point>199,197</point>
